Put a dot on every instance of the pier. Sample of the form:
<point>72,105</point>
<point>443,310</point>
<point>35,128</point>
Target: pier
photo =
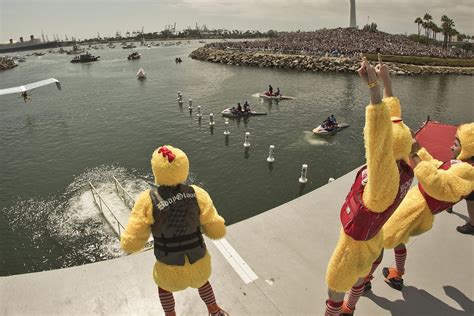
<point>281,271</point>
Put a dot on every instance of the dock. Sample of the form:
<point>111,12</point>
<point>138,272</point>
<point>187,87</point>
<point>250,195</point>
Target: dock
<point>271,264</point>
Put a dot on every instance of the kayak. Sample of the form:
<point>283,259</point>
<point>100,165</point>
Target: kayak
<point>266,95</point>
<point>228,113</point>
<point>322,131</point>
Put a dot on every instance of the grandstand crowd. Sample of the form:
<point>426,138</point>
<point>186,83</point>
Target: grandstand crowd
<point>342,42</point>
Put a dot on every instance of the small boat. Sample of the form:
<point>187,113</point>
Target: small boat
<point>128,46</point>
<point>85,58</point>
<point>229,113</point>
<point>322,131</point>
<point>141,74</point>
<point>134,56</point>
<point>267,95</point>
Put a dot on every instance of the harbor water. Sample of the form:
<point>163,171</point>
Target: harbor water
<point>105,122</point>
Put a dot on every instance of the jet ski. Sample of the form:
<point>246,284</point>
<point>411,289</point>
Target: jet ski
<point>324,131</point>
<point>229,113</point>
<point>269,96</point>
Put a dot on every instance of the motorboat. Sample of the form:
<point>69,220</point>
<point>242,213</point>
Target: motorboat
<point>233,113</point>
<point>134,56</point>
<point>269,96</point>
<point>85,58</point>
<point>141,74</point>
<point>129,46</point>
<point>324,131</point>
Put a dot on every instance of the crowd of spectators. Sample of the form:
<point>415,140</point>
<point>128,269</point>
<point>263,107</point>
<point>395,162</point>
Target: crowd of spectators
<point>341,42</point>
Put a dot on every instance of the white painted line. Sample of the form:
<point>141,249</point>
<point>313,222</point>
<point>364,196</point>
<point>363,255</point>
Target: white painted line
<point>236,261</point>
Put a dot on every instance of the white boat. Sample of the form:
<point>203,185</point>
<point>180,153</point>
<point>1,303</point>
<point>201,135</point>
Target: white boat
<point>141,74</point>
<point>323,131</point>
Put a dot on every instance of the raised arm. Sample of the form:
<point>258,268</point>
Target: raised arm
<point>446,185</point>
<point>383,179</point>
<point>139,224</point>
<point>213,225</point>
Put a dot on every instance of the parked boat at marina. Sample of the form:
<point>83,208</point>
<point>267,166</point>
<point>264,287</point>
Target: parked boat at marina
<point>85,58</point>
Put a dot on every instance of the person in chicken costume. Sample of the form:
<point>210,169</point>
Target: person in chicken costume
<point>177,215</point>
<point>378,189</point>
<point>441,185</point>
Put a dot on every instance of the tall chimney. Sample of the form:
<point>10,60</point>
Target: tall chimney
<point>21,39</point>
<point>11,41</point>
<point>353,22</point>
<point>32,37</point>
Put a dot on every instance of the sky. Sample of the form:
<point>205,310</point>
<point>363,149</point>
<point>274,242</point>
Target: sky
<point>85,18</point>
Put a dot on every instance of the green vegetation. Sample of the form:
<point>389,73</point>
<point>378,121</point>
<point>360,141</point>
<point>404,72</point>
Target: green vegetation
<point>425,61</point>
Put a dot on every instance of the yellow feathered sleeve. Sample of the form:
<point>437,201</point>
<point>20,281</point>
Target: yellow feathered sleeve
<point>211,222</point>
<point>383,178</point>
<point>139,224</point>
<point>445,185</point>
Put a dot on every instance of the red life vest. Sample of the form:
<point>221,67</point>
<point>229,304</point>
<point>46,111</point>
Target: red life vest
<point>357,220</point>
<point>437,206</point>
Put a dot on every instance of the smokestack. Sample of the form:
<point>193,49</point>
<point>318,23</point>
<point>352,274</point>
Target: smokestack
<point>21,39</point>
<point>11,41</point>
<point>32,37</point>
<point>353,22</point>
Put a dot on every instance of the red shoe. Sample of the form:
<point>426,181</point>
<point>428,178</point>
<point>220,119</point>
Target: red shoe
<point>393,278</point>
<point>346,311</point>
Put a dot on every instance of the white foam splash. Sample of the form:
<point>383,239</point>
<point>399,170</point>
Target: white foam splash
<point>311,139</point>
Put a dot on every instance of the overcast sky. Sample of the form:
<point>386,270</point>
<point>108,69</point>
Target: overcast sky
<point>84,18</point>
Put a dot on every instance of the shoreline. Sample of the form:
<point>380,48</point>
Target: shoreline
<point>314,63</point>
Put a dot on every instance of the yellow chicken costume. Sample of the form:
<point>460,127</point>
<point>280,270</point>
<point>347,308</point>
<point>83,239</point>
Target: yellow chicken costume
<point>177,215</point>
<point>387,140</point>
<point>414,216</point>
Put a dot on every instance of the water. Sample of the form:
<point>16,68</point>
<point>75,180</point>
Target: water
<point>106,122</point>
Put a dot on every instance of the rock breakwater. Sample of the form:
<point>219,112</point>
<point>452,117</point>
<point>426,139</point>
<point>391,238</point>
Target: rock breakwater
<point>312,63</point>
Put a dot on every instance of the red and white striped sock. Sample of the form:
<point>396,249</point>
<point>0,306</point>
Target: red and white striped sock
<point>374,267</point>
<point>333,308</point>
<point>167,300</point>
<point>400,258</point>
<point>354,295</point>
<point>207,295</point>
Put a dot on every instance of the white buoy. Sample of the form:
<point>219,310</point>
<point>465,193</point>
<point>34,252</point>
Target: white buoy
<point>270,154</point>
<point>331,180</point>
<point>199,114</point>
<point>304,169</point>
<point>226,128</point>
<point>190,104</point>
<point>211,119</point>
<point>247,137</point>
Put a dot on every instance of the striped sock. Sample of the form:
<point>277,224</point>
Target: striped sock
<point>374,267</point>
<point>207,295</point>
<point>333,308</point>
<point>400,258</point>
<point>167,300</point>
<point>354,295</point>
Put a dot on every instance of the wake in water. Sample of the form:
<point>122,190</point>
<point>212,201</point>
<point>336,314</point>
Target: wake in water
<point>69,230</point>
<point>311,139</point>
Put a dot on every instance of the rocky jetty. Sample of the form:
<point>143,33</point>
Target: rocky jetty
<point>312,63</point>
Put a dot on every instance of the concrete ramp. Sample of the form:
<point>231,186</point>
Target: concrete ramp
<point>287,248</point>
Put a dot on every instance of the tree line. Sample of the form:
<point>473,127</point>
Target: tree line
<point>431,29</point>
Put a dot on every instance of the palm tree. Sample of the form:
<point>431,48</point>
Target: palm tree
<point>447,26</point>
<point>418,21</point>
<point>436,30</point>
<point>427,17</point>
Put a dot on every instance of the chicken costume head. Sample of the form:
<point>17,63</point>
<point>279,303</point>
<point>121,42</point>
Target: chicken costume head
<point>170,166</point>
<point>465,134</point>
